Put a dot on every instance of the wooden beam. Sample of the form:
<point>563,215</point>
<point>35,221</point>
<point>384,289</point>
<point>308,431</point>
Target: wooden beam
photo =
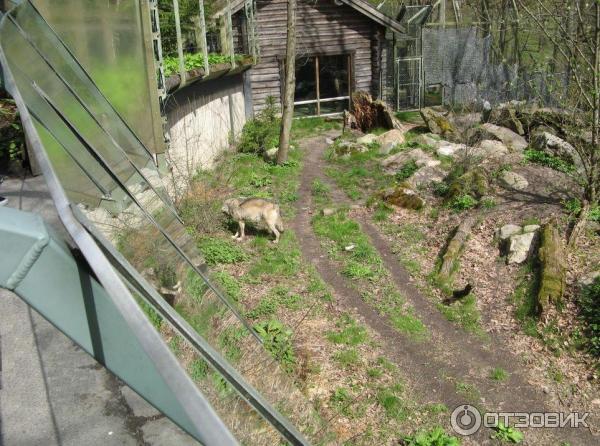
<point>179,43</point>
<point>202,31</point>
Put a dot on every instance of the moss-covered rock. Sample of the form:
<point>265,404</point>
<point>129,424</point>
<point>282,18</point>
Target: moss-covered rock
<point>403,196</point>
<point>474,183</point>
<point>553,270</point>
<point>439,124</point>
<point>455,248</point>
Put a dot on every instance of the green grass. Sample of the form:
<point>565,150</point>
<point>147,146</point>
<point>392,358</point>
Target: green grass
<point>282,259</point>
<point>524,298</point>
<point>198,369</point>
<point>349,332</point>
<point>498,374</point>
<point>303,128</point>
<point>545,159</point>
<point>347,358</point>
<point>391,402</point>
<point>469,391</point>
<point>229,284</point>
<point>409,324</point>
<point>465,313</point>
<point>221,251</point>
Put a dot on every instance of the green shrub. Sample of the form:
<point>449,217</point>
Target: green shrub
<point>262,132</point>
<point>407,171</point>
<point>507,434</point>
<point>463,203</point>
<point>545,159</point>
<point>589,303</point>
<point>440,188</point>
<point>572,206</point>
<point>229,284</point>
<point>434,437</point>
<point>277,340</point>
<point>216,250</point>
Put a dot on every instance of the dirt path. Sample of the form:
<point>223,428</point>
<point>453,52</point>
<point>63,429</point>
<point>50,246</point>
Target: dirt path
<point>450,355</point>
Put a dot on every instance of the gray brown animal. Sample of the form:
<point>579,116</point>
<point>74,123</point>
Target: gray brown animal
<point>255,211</point>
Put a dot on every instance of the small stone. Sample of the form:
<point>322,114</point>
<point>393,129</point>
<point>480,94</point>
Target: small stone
<point>508,230</point>
<point>589,278</point>
<point>545,389</point>
<point>328,211</point>
<point>387,148</point>
<point>531,228</point>
<point>513,180</point>
<point>271,154</point>
<point>355,207</point>
<point>367,139</point>
<point>520,247</point>
<point>350,247</point>
<point>329,141</point>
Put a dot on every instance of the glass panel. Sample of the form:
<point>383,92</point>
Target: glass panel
<point>107,38</point>
<point>333,77</point>
<point>86,143</point>
<point>334,106</point>
<point>306,86</point>
<point>304,110</point>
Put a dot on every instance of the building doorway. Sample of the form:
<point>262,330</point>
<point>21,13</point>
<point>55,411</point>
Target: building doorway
<point>323,85</point>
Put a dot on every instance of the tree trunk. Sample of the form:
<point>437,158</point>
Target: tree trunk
<point>289,86</point>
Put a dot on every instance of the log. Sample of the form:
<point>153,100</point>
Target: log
<point>455,248</point>
<point>553,271</point>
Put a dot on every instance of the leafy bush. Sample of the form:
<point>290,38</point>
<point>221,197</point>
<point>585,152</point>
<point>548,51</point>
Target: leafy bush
<point>508,434</point>
<point>589,303</point>
<point>440,188</point>
<point>572,206</point>
<point>463,203</point>
<point>216,250</point>
<point>195,60</point>
<point>262,132</point>
<point>434,437</point>
<point>407,171</point>
<point>12,138</point>
<point>545,159</point>
<point>277,339</point>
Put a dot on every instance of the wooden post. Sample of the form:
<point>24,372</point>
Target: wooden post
<point>318,86</point>
<point>289,85</point>
<point>202,38</point>
<point>179,43</point>
<point>229,29</point>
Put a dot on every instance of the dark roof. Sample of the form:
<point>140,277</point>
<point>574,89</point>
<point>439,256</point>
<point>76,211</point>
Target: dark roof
<point>361,6</point>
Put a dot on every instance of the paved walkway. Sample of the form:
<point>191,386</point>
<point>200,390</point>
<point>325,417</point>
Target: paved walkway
<point>52,393</point>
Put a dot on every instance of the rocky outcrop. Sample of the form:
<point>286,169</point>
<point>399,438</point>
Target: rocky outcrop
<point>553,145</point>
<point>367,139</point>
<point>474,183</point>
<point>489,148</point>
<point>427,140</point>
<point>392,163</point>
<point>425,176</point>
<point>513,141</point>
<point>346,148</point>
<point>389,140</point>
<point>439,124</point>
<point>506,116</point>
<point>513,180</point>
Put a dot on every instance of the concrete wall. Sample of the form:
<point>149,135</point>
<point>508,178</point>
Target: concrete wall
<point>203,120</point>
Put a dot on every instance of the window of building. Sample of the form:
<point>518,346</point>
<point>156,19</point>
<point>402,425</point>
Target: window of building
<point>322,85</point>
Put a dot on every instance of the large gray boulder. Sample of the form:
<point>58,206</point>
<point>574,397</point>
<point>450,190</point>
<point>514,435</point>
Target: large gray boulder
<point>427,139</point>
<point>553,145</point>
<point>392,163</point>
<point>425,176</point>
<point>507,231</point>
<point>394,137</point>
<point>446,148</point>
<point>489,148</point>
<point>367,139</point>
<point>347,148</point>
<point>512,140</point>
<point>513,180</point>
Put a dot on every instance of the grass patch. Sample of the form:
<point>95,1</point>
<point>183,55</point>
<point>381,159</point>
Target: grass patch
<point>433,437</point>
<point>347,358</point>
<point>465,313</point>
<point>498,374</point>
<point>545,159</point>
<point>469,391</point>
<point>391,402</point>
<point>282,259</point>
<point>220,251</point>
<point>409,324</point>
<point>349,332</point>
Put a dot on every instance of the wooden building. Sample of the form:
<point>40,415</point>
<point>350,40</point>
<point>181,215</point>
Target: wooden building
<point>342,46</point>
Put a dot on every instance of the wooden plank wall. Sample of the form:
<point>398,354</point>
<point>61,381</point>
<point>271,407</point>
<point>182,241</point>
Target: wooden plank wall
<point>322,28</point>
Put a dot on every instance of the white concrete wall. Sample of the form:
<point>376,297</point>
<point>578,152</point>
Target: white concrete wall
<point>201,118</point>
